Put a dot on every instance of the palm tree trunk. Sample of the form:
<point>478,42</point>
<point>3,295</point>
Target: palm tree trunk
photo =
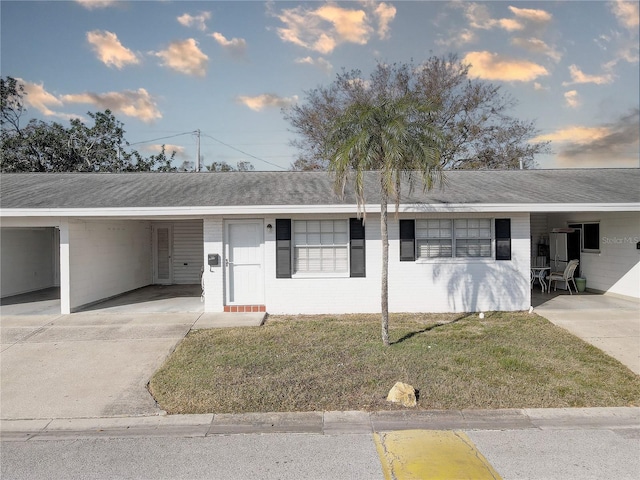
<point>384,290</point>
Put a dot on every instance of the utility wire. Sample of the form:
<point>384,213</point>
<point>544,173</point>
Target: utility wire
<point>162,138</point>
<point>243,152</point>
<point>215,139</point>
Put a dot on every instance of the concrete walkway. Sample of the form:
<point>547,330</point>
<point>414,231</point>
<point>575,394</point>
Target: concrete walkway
<point>612,324</point>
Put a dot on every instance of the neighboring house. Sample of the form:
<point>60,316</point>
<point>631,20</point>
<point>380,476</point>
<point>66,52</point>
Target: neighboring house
<point>287,244</point>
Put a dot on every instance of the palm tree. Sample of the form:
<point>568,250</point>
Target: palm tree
<point>394,137</point>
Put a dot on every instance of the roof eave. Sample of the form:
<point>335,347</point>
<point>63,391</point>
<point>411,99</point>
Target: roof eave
<point>165,212</point>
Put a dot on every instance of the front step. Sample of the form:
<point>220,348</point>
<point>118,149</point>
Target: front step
<point>244,308</point>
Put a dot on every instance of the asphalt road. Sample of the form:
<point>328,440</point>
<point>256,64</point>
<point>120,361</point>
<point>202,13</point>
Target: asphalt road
<point>565,454</point>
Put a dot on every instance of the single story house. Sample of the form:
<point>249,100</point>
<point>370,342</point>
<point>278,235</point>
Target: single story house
<point>285,243</point>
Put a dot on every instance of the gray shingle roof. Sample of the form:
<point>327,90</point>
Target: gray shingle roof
<point>133,190</point>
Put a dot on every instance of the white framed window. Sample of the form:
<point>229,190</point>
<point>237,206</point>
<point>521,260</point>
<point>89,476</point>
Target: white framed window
<point>434,238</point>
<point>473,237</point>
<point>449,238</point>
<point>321,247</point>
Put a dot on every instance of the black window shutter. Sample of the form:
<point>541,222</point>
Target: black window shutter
<point>407,240</point>
<point>283,248</point>
<point>356,245</point>
<point>503,239</point>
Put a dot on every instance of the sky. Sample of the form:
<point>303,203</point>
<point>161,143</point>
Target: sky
<point>227,68</point>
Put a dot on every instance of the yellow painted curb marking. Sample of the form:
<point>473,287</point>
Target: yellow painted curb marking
<point>431,454</point>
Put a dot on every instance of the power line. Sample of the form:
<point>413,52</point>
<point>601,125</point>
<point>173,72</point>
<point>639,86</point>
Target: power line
<point>243,152</point>
<point>198,132</point>
<point>161,138</point>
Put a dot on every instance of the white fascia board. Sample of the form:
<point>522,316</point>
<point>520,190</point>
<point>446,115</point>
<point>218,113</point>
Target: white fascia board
<point>30,221</point>
<point>519,207</point>
<point>168,212</point>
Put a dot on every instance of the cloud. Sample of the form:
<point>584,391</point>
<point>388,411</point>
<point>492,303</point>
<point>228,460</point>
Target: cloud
<point>616,143</point>
<point>133,103</point>
<point>320,62</point>
<point>479,17</point>
<point>535,45</point>
<point>94,4</point>
<point>37,97</point>
<point>168,149</point>
<point>627,14</point>
<point>492,66</point>
<point>184,57</point>
<point>572,99</point>
<point>236,46</point>
<point>531,15</point>
<point>385,14</point>
<point>109,49</point>
<point>578,77</point>
<point>626,42</point>
<point>323,28</point>
<point>457,38</point>
<point>266,100</point>
<point>350,25</point>
<point>197,21</point>
<point>509,24</point>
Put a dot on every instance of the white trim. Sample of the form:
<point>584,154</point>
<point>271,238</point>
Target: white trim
<point>197,212</point>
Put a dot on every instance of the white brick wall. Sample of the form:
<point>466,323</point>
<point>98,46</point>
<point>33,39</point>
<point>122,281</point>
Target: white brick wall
<point>444,286</point>
<point>456,285</point>
<point>27,259</point>
<point>107,258</point>
<point>616,269</point>
<point>324,294</point>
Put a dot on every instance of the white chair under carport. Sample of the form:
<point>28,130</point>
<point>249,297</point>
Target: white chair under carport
<point>566,276</point>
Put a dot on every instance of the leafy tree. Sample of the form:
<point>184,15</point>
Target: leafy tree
<point>473,115</point>
<point>391,134</point>
<point>225,167</point>
<point>51,147</point>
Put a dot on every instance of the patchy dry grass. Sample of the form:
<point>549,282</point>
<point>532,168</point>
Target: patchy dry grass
<point>307,363</point>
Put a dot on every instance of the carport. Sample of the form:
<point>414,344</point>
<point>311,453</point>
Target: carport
<point>30,259</point>
<point>78,263</point>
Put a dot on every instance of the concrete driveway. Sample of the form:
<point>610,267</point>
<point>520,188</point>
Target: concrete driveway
<point>84,364</point>
<point>612,324</point>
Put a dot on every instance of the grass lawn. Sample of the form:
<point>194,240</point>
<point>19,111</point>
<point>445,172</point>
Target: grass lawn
<point>316,363</point>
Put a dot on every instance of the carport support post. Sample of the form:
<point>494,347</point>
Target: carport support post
<point>65,269</point>
<point>213,229</point>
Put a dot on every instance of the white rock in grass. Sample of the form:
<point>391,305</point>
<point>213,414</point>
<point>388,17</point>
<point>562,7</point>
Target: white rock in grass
<point>402,393</point>
<point>481,315</point>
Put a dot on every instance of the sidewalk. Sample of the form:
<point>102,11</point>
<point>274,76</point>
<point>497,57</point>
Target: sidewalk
<point>323,423</point>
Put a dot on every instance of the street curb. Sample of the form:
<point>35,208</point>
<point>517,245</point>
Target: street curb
<point>320,423</point>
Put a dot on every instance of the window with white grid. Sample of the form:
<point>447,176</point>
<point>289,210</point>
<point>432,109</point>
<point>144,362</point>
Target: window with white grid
<point>473,237</point>
<point>434,238</point>
<point>447,238</point>
<point>320,246</point>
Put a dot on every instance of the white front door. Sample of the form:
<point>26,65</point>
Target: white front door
<point>243,262</point>
<point>162,253</point>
